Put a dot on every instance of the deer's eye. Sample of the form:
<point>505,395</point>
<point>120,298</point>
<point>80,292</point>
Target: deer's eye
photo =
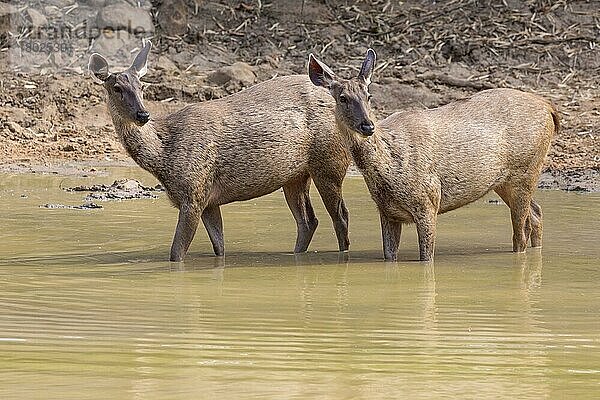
<point>343,99</point>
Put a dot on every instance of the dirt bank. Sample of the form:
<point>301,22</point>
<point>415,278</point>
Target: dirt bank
<point>429,54</point>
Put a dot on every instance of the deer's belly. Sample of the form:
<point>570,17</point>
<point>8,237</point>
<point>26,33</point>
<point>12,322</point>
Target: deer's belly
<point>460,193</point>
<point>249,186</point>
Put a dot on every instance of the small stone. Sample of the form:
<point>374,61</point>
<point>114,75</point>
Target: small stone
<point>52,11</point>
<point>173,17</point>
<point>89,206</point>
<point>84,206</point>
<point>52,206</point>
<point>128,185</point>
<point>19,130</point>
<point>165,64</point>
<point>116,46</point>
<point>238,72</point>
<point>37,19</point>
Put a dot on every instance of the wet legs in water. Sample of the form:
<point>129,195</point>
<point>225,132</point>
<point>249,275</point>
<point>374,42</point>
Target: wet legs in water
<point>298,199</point>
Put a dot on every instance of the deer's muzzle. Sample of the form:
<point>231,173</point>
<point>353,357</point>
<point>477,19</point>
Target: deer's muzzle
<point>366,128</point>
<point>142,117</point>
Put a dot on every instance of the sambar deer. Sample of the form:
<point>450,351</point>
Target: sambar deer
<point>279,133</point>
<point>418,164</point>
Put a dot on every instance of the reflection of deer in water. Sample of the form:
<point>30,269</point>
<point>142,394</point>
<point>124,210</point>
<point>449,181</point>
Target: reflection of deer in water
<point>531,271</point>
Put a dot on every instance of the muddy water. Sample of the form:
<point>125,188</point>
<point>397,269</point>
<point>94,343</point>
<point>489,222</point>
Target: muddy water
<point>91,309</point>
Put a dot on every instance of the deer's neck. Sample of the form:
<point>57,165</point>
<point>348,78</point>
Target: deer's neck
<point>369,154</point>
<point>141,143</point>
<point>373,158</point>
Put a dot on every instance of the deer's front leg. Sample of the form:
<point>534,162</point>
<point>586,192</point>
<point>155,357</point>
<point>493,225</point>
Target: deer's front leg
<point>425,216</point>
<point>426,228</point>
<point>189,217</point>
<point>390,233</point>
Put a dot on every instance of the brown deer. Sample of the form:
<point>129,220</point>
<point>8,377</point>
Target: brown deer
<point>419,164</point>
<point>279,133</point>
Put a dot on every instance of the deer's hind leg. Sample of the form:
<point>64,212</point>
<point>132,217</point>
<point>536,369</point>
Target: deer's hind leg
<point>330,189</point>
<point>298,199</point>
<point>213,223</point>
<point>517,197</point>
<point>535,221</point>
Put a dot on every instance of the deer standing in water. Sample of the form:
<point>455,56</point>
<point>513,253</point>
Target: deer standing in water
<point>419,164</point>
<point>279,133</point>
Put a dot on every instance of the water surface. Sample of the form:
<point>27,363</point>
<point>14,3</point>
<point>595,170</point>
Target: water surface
<point>91,309</point>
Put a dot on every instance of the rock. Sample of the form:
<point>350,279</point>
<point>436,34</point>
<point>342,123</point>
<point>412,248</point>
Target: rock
<point>164,63</point>
<point>84,206</point>
<point>459,70</point>
<point>173,18</point>
<point>7,9</point>
<point>37,18</point>
<point>116,46</point>
<point>52,11</point>
<point>123,189</point>
<point>18,130</point>
<point>455,50</point>
<point>16,114</point>
<point>238,72</point>
<point>128,185</point>
<point>122,16</point>
<point>202,61</point>
<point>209,59</point>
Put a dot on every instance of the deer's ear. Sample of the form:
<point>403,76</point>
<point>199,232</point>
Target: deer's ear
<point>319,73</point>
<point>98,67</point>
<point>366,71</point>
<point>140,63</point>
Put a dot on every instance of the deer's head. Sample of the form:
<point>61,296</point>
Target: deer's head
<point>124,88</point>
<point>351,95</point>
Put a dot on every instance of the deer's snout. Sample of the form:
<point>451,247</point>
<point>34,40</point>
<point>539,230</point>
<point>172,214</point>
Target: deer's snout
<point>142,117</point>
<point>366,128</point>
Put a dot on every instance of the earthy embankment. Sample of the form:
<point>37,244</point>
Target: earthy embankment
<point>429,54</point>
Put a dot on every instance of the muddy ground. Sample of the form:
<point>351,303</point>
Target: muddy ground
<point>430,53</point>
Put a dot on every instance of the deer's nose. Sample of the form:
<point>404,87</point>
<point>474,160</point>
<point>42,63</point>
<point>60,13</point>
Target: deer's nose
<point>143,116</point>
<point>367,128</point>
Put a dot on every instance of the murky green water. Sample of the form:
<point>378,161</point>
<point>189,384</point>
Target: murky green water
<point>91,309</point>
